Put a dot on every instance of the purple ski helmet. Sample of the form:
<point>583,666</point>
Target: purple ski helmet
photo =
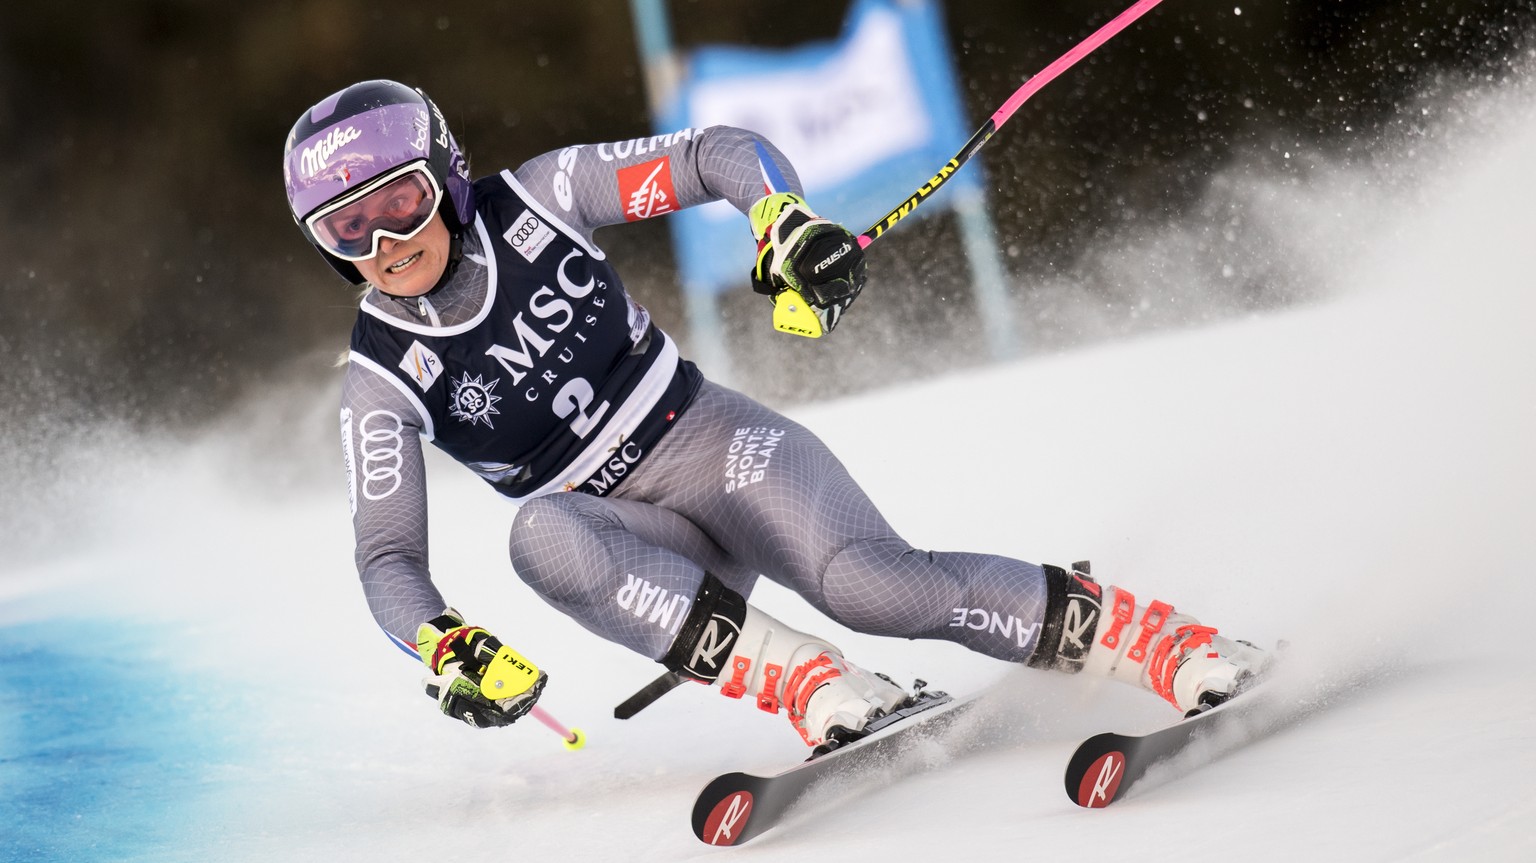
<point>360,133</point>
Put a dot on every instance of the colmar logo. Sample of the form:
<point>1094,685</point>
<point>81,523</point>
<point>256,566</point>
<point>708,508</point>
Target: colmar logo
<point>725,821</point>
<point>645,190</point>
<point>312,160</point>
<point>1101,781</point>
<point>653,604</point>
<point>637,147</point>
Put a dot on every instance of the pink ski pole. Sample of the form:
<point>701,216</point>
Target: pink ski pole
<point>573,737</point>
<point>1001,115</point>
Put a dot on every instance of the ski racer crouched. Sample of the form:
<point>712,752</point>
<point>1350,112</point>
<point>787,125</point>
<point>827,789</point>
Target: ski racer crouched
<point>495,328</point>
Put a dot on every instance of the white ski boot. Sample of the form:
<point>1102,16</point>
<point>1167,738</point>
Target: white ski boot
<point>725,642</point>
<point>1105,632</point>
<point>821,691</point>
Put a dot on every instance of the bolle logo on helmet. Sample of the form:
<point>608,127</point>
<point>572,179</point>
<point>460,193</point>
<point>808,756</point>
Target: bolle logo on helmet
<point>442,125</point>
<point>421,125</point>
<point>313,159</point>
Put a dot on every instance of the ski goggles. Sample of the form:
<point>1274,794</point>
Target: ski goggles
<point>397,205</point>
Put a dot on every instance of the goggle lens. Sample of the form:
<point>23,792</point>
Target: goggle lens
<point>400,209</point>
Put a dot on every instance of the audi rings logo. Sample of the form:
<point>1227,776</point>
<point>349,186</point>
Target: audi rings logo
<point>528,235</point>
<point>381,442</point>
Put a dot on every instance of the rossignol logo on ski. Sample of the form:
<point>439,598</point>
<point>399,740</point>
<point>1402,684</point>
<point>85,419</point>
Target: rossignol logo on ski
<point>728,818</point>
<point>1101,781</point>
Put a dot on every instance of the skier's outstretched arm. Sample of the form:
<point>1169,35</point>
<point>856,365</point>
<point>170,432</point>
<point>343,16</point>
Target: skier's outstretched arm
<point>810,267</point>
<point>470,673</point>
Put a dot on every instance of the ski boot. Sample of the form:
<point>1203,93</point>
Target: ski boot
<point>745,652</point>
<point>1105,632</point>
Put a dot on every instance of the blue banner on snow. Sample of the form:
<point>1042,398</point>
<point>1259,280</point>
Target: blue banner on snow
<point>865,120</point>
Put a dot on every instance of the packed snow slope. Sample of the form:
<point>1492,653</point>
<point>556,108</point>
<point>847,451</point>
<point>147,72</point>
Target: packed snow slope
<point>195,677</point>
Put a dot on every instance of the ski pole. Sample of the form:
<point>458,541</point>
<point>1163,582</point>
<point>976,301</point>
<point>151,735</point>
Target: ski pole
<point>1001,115</point>
<point>573,737</point>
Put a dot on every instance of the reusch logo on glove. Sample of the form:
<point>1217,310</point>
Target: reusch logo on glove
<point>832,258</point>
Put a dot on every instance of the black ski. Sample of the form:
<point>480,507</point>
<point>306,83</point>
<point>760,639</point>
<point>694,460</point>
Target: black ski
<point>1106,766</point>
<point>736,807</point>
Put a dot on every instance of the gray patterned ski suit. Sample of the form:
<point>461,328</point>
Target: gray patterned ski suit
<point>635,476</point>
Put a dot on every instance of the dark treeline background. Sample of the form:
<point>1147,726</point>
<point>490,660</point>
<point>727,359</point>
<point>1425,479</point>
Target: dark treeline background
<point>153,273</point>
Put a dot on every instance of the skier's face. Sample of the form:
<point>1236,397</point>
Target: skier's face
<point>409,268</point>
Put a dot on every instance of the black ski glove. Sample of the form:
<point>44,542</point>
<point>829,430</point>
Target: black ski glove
<point>811,267</point>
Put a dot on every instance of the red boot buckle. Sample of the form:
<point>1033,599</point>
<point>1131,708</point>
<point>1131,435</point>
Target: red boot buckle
<point>1124,610</point>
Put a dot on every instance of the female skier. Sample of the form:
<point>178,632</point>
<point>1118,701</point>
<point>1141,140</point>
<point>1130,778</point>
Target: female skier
<point>650,498</point>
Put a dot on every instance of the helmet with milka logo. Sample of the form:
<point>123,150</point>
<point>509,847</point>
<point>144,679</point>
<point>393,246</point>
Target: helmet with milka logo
<point>367,132</point>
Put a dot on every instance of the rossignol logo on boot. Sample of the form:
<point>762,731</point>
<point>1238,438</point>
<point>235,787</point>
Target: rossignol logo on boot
<point>652,604</point>
<point>748,455</point>
<point>714,644</point>
<point>1079,622</point>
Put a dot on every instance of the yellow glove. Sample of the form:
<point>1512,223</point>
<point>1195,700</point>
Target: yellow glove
<point>474,677</point>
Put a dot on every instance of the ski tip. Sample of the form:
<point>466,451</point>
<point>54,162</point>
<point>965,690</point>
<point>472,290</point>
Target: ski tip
<point>1098,784</point>
<point>726,821</point>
